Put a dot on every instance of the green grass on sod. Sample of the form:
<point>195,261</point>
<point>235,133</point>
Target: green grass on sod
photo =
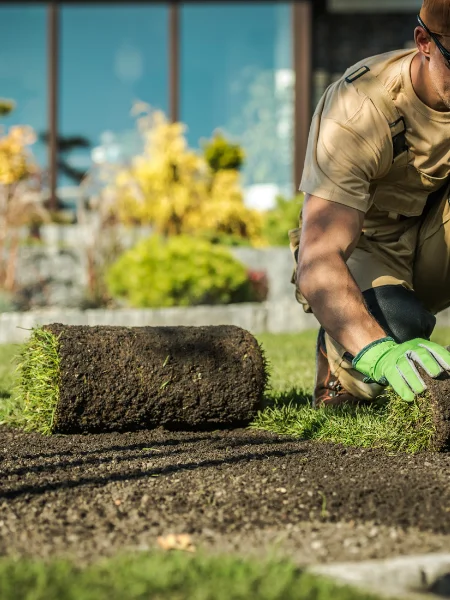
<point>33,399</point>
<point>391,424</point>
<point>171,575</point>
<point>394,425</point>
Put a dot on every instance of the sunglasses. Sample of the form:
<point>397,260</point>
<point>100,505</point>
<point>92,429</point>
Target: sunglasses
<point>445,53</point>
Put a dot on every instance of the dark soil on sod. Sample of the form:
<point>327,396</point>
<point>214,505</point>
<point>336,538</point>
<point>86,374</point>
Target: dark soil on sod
<point>126,378</point>
<point>439,397</point>
<point>86,496</point>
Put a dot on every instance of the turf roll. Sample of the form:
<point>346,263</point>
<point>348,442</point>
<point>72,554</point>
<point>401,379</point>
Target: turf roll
<point>439,411</point>
<point>96,379</point>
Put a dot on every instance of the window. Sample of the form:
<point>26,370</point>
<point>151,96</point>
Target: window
<point>23,69</point>
<point>237,76</point>
<point>110,56</point>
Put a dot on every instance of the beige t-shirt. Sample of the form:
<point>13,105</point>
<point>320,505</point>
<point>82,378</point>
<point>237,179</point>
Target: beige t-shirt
<point>349,157</point>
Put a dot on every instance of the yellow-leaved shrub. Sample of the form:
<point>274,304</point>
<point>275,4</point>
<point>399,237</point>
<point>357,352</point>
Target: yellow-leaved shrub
<point>15,160</point>
<point>173,189</point>
<point>19,196</point>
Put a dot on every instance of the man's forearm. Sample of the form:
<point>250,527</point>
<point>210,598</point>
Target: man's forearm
<point>337,302</point>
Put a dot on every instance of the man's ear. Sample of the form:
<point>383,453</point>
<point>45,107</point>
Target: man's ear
<point>423,41</point>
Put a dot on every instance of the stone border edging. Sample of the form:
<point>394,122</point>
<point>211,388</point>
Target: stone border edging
<point>421,576</point>
<point>280,316</point>
<point>273,317</point>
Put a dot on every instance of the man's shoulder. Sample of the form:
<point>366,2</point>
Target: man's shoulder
<point>384,66</point>
<point>347,105</point>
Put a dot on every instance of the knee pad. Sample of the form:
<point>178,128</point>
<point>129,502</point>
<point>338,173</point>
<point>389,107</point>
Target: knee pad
<point>399,312</point>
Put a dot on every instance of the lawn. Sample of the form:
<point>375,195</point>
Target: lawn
<point>173,575</point>
<point>290,355</point>
<point>7,368</point>
<point>291,358</point>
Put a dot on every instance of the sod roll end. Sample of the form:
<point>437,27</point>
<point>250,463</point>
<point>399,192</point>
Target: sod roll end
<point>92,379</point>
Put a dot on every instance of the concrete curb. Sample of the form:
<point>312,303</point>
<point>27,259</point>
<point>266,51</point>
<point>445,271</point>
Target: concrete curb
<point>414,577</point>
<point>274,317</point>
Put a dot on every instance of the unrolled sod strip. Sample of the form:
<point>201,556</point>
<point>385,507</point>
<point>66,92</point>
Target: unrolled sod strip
<point>92,379</point>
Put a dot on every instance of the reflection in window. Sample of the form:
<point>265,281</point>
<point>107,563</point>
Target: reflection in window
<point>23,68</point>
<point>111,56</point>
<point>237,75</point>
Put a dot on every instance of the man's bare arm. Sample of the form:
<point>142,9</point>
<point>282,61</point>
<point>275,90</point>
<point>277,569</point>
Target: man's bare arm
<point>330,232</point>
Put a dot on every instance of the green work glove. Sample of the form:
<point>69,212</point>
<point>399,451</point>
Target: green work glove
<point>389,363</point>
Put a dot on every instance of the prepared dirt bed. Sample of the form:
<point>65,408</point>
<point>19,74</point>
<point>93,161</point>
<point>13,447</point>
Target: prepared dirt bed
<point>87,496</point>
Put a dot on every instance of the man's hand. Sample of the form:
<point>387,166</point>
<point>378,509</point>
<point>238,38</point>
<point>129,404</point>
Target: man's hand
<point>387,362</point>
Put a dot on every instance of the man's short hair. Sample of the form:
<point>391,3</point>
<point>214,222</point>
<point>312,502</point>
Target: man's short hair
<point>436,16</point>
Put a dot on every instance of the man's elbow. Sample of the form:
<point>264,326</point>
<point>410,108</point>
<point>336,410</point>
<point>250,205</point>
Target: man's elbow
<point>315,271</point>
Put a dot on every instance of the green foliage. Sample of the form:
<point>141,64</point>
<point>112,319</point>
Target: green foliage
<point>6,107</point>
<point>221,154</point>
<point>178,271</point>
<point>160,575</point>
<point>280,219</point>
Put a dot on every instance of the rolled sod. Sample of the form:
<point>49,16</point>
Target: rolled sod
<point>99,379</point>
<point>438,411</point>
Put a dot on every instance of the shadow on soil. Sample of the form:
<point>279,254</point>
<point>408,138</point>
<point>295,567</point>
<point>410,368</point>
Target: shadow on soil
<point>34,490</point>
<point>143,451</point>
<point>114,448</point>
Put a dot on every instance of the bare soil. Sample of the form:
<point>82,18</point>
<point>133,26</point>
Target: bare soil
<point>87,496</point>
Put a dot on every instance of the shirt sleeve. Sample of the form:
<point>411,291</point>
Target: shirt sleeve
<point>346,153</point>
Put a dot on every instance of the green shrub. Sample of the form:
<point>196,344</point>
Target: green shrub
<point>178,271</point>
<point>281,218</point>
<point>221,154</point>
